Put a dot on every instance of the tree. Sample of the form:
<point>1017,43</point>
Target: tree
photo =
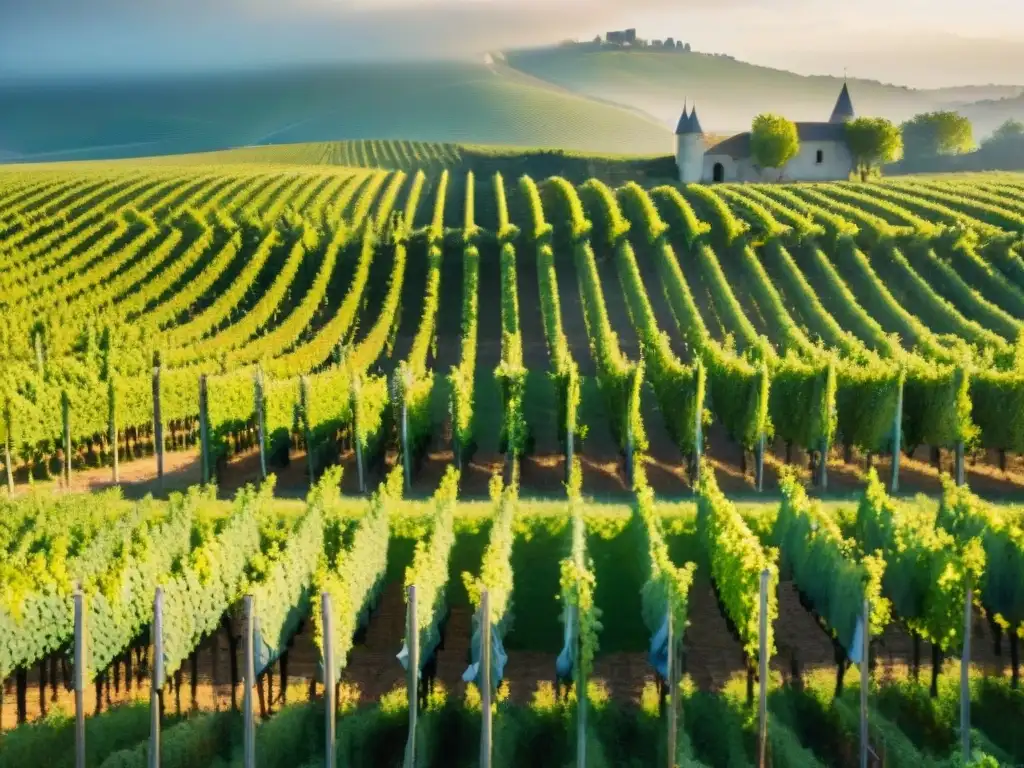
<point>873,141</point>
<point>1004,149</point>
<point>1011,130</point>
<point>773,141</point>
<point>937,133</point>
<point>1008,138</point>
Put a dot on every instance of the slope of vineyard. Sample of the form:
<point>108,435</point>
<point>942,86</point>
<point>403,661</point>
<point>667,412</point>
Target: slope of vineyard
<point>825,319</point>
<point>431,101</point>
<point>828,292</point>
<point>434,157</point>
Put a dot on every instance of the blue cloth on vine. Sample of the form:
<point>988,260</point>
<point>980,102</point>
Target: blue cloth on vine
<point>262,654</point>
<point>658,655</point>
<point>430,639</point>
<point>498,657</point>
<point>855,649</point>
<point>427,650</point>
<point>270,645</point>
<point>567,658</point>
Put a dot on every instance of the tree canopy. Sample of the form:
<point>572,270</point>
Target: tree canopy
<point>1009,134</point>
<point>1004,149</point>
<point>937,133</point>
<point>773,140</point>
<point>873,141</point>
<point>1011,129</point>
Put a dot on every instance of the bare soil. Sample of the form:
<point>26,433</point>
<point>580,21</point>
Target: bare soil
<point>543,472</point>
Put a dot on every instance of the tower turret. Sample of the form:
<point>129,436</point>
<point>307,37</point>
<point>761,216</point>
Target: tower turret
<point>695,123</point>
<point>690,147</point>
<point>684,121</point>
<point>843,110</point>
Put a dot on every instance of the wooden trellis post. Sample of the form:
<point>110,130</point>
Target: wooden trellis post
<point>485,680</point>
<point>570,450</point>
<point>249,726</point>
<point>80,662</point>
<point>965,679</point>
<point>330,706</point>
<point>400,387</point>
<point>763,661</point>
<point>158,425</point>
<point>260,428</point>
<point>158,678</point>
<point>37,338</point>
<point>413,643</point>
<point>698,443</point>
<point>960,470</point>
<point>65,403</point>
<point>304,400</point>
<point>8,450</point>
<point>700,386</point>
<point>572,386</point>
<point>456,448</point>
<point>355,434</point>
<point>823,465</point>
<point>865,680</point>
<point>114,444</point>
<point>673,711</point>
<point>759,463</point>
<point>629,447</point>
<point>763,380</point>
<point>897,439</point>
<point>581,692</point>
<point>204,428</point>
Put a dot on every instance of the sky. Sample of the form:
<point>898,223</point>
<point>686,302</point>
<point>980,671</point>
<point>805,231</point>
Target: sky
<point>920,43</point>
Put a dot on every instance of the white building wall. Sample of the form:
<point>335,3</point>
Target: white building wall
<point>836,162</point>
<point>836,165</point>
<point>730,168</point>
<point>689,157</point>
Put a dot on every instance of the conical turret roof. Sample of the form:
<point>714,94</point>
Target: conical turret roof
<point>844,107</point>
<point>694,122</point>
<point>683,125</point>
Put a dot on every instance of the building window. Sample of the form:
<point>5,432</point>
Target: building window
<point>820,157</point>
<point>718,172</point>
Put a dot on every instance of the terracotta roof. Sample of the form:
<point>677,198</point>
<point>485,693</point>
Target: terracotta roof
<point>739,145</point>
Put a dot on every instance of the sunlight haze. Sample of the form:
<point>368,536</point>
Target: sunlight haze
<point>919,43</point>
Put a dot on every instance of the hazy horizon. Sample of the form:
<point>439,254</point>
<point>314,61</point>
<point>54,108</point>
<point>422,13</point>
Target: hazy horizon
<point>915,43</point>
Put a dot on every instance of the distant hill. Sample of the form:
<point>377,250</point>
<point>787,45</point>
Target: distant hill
<point>425,101</point>
<point>573,98</point>
<point>728,93</point>
<point>989,114</point>
<point>970,93</point>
